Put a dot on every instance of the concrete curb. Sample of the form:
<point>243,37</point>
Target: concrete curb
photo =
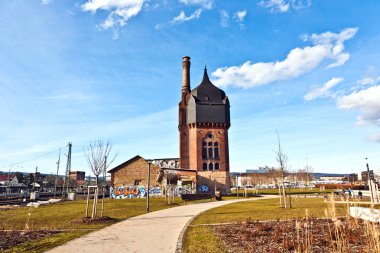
<point>178,248</point>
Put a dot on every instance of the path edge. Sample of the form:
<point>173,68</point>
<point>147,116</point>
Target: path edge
<point>180,239</point>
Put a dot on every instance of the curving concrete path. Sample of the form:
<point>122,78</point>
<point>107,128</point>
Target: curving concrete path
<point>157,232</point>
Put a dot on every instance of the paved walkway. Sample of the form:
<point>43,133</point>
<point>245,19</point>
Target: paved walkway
<point>155,232</point>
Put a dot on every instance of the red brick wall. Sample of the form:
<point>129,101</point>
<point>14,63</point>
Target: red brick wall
<point>137,170</point>
<point>215,180</point>
<point>196,135</point>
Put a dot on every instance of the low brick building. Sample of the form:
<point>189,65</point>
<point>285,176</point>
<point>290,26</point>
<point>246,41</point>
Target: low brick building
<point>133,172</point>
<point>130,179</point>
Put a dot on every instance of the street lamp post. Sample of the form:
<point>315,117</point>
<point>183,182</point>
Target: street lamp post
<point>237,186</point>
<point>149,161</point>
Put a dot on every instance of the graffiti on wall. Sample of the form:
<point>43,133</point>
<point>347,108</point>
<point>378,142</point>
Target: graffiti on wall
<point>202,188</point>
<point>174,164</point>
<point>130,192</point>
<point>127,192</point>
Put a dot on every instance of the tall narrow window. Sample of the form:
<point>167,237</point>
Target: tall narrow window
<point>216,166</point>
<point>210,152</point>
<point>204,166</point>
<point>216,152</point>
<point>211,166</point>
<point>204,150</point>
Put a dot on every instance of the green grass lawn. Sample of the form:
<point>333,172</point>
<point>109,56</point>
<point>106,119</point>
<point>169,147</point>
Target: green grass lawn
<point>63,215</point>
<point>202,238</point>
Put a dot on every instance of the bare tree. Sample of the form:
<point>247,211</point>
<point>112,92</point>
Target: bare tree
<point>282,160</point>
<point>96,155</point>
<point>305,174</point>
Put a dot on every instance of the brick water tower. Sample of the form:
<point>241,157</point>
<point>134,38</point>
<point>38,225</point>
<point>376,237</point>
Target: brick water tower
<point>203,123</point>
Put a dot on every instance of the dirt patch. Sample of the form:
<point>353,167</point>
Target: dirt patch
<point>88,220</point>
<point>312,235</point>
<point>10,239</point>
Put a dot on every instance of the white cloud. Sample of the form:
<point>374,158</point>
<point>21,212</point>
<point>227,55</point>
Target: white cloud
<point>367,81</point>
<point>325,46</point>
<point>120,11</point>
<point>276,5</point>
<point>206,4</point>
<point>183,18</point>
<point>240,15</point>
<point>367,101</point>
<point>335,39</point>
<point>46,2</point>
<point>285,5</point>
<point>323,91</point>
<point>239,18</point>
<point>374,137</point>
<point>224,18</point>
<point>300,4</point>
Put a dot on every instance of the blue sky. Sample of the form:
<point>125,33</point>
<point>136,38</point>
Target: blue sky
<point>111,69</point>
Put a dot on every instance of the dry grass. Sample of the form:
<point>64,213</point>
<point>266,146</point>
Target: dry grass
<point>339,234</point>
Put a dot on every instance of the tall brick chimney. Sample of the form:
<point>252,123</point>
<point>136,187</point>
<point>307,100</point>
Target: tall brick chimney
<point>186,74</point>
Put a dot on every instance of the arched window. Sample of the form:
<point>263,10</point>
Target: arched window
<point>216,166</point>
<point>204,166</point>
<point>210,147</point>
<point>204,150</point>
<point>211,166</point>
<point>210,152</point>
<point>216,152</point>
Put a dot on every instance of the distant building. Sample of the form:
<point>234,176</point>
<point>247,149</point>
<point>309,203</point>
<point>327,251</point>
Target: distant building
<point>365,175</point>
<point>327,178</point>
<point>78,177</point>
<point>326,175</point>
<point>353,177</point>
<point>10,183</point>
<point>260,170</point>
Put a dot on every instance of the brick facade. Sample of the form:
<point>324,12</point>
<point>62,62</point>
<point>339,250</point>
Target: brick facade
<point>134,171</point>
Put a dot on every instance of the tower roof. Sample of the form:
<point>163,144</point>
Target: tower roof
<point>207,92</point>
<point>208,104</point>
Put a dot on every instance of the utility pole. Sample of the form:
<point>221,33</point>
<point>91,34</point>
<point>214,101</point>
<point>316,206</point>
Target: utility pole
<point>68,169</point>
<point>369,182</point>
<point>34,178</point>
<point>9,181</point>
<point>56,176</point>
